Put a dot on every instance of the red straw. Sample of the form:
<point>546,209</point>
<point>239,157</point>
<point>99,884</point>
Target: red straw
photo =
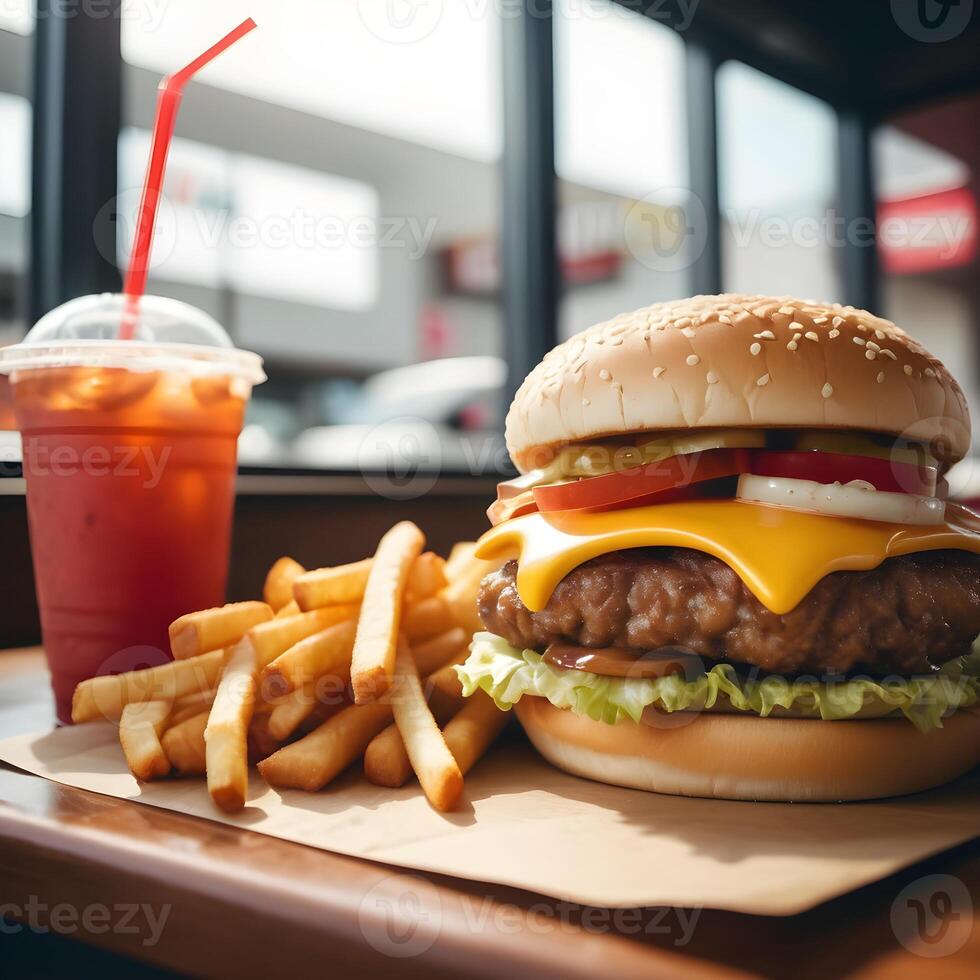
<point>171,89</point>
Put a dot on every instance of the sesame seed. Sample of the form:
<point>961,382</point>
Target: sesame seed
<point>765,335</point>
<point>881,377</point>
<point>788,310</point>
<point>838,321</point>
<point>586,402</point>
<point>827,390</point>
<point>908,370</point>
<point>889,353</point>
<point>725,318</point>
<point>880,334</point>
<point>860,341</point>
<point>796,325</point>
<point>792,345</point>
<point>755,349</point>
<point>712,378</point>
<point>763,381</point>
<point>657,371</point>
<point>820,319</point>
<point>873,346</point>
<point>862,327</point>
<point>929,373</point>
<point>870,355</point>
<point>693,359</point>
<point>834,333</point>
<point>811,335</point>
<point>683,322</point>
<point>604,374</point>
<point>688,332</point>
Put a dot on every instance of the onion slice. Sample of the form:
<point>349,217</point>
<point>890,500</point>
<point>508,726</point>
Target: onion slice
<point>842,500</point>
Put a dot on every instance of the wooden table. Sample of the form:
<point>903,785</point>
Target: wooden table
<point>239,903</point>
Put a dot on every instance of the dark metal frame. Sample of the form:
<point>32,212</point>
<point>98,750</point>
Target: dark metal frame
<point>530,210</point>
<point>77,99</point>
<point>529,254</point>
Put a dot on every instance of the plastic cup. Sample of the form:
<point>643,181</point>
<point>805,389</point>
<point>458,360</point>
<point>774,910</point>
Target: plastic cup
<point>130,453</point>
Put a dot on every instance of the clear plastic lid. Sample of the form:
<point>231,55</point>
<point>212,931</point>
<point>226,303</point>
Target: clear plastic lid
<point>170,336</point>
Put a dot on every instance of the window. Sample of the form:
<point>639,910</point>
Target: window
<point>776,161</point>
<point>257,226</point>
<point>620,157</point>
<point>17,16</point>
<point>333,200</point>
<point>926,166</point>
<point>16,24</point>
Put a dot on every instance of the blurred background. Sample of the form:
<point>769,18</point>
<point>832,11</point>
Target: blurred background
<point>401,205</point>
<point>334,194</point>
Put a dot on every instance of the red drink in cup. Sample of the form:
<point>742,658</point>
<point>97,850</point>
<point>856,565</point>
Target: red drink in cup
<point>130,461</point>
<point>129,409</point>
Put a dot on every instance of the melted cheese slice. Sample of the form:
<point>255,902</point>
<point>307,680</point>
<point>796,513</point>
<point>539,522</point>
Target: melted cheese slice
<point>778,553</point>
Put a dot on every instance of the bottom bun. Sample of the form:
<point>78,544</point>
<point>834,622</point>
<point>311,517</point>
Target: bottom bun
<point>744,757</point>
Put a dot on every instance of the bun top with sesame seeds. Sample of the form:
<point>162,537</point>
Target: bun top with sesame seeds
<point>735,361</point>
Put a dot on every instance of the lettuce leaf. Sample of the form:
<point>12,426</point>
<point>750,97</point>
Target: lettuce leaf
<point>507,674</point>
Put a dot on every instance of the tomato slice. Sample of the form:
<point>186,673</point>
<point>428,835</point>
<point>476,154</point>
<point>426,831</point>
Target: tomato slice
<point>883,474</point>
<point>641,481</point>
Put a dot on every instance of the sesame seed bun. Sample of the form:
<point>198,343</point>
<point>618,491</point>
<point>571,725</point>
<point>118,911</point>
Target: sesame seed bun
<point>733,362</point>
<point>743,757</point>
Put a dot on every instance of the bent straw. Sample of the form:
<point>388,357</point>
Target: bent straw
<point>171,89</point>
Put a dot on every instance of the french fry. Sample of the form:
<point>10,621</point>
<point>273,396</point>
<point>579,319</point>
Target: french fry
<point>373,659</point>
<point>211,629</point>
<point>260,742</point>
<point>386,761</point>
<point>438,772</point>
<point>278,588</point>
<point>346,583</point>
<point>462,592</point>
<point>105,697</point>
<point>427,576</point>
<point>302,707</point>
<point>275,637</point>
<point>290,609</point>
<point>427,618</point>
<point>326,652</point>
<point>474,727</point>
<point>291,711</point>
<point>446,681</point>
<point>188,707</point>
<point>336,742</point>
<point>140,728</point>
<point>315,760</point>
<point>225,735</point>
<point>459,557</point>
<point>440,650</point>
<point>184,745</point>
<point>332,586</point>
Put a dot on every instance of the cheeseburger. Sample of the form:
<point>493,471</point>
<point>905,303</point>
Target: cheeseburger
<point>729,567</point>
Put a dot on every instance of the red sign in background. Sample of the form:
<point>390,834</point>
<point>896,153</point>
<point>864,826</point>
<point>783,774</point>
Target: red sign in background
<point>934,231</point>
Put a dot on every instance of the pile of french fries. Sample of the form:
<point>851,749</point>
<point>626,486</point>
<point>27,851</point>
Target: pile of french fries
<point>335,664</point>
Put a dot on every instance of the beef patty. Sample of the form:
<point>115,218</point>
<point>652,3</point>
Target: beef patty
<point>908,615</point>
